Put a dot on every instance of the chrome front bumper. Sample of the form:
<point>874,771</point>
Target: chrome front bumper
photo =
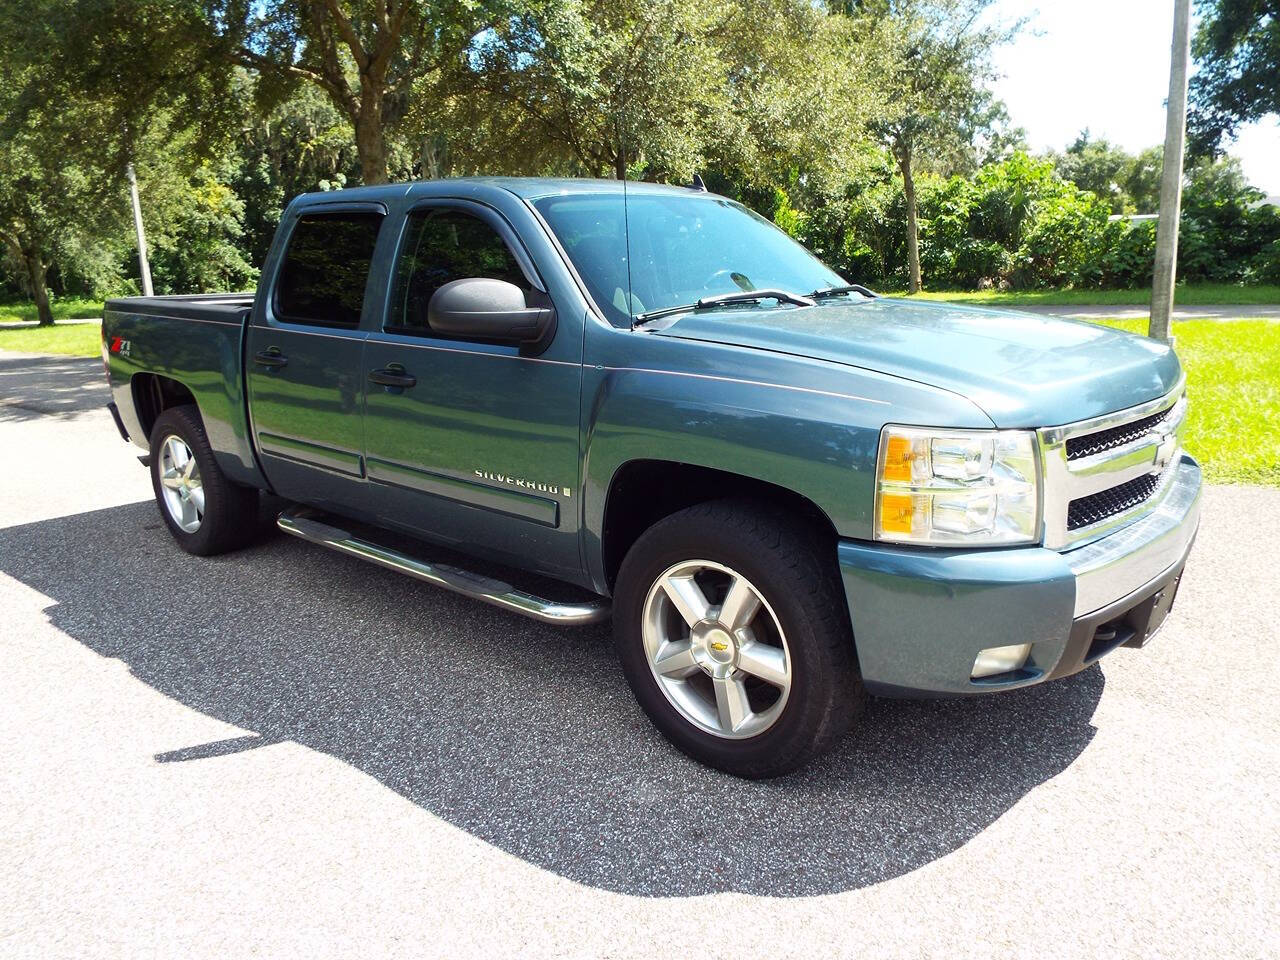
<point>1122,562</point>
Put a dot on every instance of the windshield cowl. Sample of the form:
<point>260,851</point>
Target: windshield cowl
<point>726,300</point>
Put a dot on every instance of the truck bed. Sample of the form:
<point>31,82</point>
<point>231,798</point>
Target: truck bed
<point>192,343</point>
<point>228,307</point>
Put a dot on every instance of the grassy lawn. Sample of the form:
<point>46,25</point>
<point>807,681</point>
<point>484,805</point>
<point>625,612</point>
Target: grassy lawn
<point>73,308</point>
<point>76,340</point>
<point>1233,382</point>
<point>1204,294</point>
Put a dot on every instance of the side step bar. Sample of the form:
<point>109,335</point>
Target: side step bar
<point>299,522</point>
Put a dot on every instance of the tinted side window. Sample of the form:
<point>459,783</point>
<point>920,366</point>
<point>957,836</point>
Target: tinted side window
<point>326,268</point>
<point>442,247</point>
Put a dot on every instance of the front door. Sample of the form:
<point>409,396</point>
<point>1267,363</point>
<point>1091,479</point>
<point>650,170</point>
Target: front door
<point>303,358</point>
<point>472,442</point>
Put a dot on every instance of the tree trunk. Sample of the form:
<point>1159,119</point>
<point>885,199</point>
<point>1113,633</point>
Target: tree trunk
<point>913,226</point>
<point>36,271</point>
<point>371,143</point>
<point>620,165</point>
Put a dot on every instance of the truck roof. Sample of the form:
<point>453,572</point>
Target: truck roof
<point>527,187</point>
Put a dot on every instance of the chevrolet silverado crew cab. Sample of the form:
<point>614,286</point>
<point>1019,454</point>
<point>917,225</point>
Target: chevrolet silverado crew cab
<point>649,403</point>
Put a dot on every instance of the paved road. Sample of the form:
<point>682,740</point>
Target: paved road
<point>1264,311</point>
<point>285,753</point>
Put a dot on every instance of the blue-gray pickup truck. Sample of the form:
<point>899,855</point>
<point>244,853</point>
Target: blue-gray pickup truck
<point>648,403</point>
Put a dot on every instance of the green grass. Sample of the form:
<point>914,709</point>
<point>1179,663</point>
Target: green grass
<point>1233,384</point>
<point>74,340</point>
<point>72,308</point>
<point>1203,294</point>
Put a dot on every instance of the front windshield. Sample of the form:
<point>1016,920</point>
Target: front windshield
<point>683,248</point>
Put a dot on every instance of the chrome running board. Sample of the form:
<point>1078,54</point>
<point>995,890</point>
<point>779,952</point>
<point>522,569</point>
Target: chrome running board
<point>301,522</point>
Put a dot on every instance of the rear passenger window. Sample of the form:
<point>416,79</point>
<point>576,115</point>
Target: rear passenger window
<point>326,268</point>
<point>439,247</point>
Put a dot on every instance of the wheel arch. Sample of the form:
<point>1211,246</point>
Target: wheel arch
<point>643,491</point>
<point>154,393</point>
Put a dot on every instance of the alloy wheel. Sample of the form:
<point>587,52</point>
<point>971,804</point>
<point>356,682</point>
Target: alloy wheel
<point>180,484</point>
<point>716,649</point>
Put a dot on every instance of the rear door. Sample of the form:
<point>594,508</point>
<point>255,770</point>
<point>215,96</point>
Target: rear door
<point>482,450</point>
<point>303,355</point>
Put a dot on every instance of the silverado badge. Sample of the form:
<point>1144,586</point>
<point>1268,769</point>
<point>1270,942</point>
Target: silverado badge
<point>555,489</point>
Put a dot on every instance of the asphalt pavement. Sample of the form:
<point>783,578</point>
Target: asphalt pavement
<point>1247,311</point>
<point>284,752</point>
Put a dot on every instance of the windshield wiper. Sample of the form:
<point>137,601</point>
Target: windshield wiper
<point>841,291</point>
<point>723,299</point>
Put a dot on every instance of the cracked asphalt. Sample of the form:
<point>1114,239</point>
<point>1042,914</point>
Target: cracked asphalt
<point>284,752</point>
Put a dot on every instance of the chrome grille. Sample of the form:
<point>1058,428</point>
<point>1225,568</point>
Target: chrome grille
<point>1102,473</point>
<point>1094,443</point>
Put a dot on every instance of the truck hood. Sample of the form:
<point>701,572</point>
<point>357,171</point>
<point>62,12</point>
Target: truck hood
<point>1022,369</point>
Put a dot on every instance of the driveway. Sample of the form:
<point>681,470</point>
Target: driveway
<point>284,752</point>
<point>1248,311</point>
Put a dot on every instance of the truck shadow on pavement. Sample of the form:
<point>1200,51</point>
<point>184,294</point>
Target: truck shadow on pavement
<point>61,387</point>
<point>525,735</point>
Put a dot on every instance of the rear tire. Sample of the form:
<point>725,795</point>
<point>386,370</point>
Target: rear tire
<point>731,625</point>
<point>206,513</point>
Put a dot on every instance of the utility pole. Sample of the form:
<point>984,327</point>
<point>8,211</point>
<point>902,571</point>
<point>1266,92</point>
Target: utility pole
<point>1175,134</point>
<point>144,268</point>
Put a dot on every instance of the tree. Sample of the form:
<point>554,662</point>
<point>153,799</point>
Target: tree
<point>1237,53</point>
<point>1142,184</point>
<point>657,88</point>
<point>87,83</point>
<point>1100,166</point>
<point>589,85</point>
<point>364,55</point>
<point>53,189</point>
<point>937,89</point>
<point>301,144</point>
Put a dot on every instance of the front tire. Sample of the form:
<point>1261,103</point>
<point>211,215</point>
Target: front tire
<point>730,622</point>
<point>206,513</point>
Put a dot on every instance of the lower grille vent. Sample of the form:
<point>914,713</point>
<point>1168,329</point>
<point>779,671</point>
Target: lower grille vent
<point>1107,503</point>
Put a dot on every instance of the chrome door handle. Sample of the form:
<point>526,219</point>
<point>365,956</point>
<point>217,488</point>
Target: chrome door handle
<point>271,357</point>
<point>392,375</point>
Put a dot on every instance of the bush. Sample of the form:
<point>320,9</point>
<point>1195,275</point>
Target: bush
<point>1129,258</point>
<point>1017,223</point>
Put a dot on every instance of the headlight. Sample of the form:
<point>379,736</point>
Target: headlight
<point>957,487</point>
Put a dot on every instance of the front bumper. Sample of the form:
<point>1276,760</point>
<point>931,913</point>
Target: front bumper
<point>921,616</point>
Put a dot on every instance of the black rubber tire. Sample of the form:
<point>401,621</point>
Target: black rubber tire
<point>793,564</point>
<point>230,511</point>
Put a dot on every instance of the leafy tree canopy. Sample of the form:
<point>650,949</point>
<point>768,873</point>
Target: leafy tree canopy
<point>660,88</point>
<point>1237,52</point>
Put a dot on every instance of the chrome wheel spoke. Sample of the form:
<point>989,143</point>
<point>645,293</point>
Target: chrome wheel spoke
<point>766,662</point>
<point>197,498</point>
<point>171,480</point>
<point>687,597</point>
<point>675,659</point>
<point>731,702</point>
<point>178,453</point>
<point>740,605</point>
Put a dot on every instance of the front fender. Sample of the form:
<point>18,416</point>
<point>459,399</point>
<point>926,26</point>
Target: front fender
<point>808,426</point>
